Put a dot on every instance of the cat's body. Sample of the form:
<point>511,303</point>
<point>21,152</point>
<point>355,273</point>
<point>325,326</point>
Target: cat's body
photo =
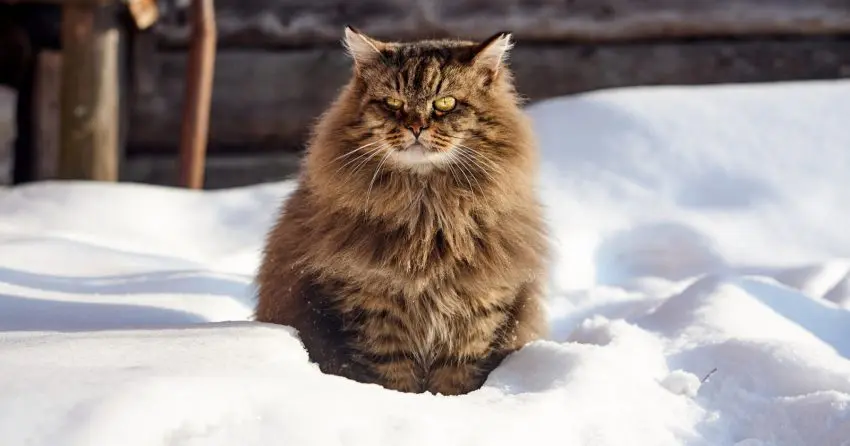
<point>412,252</point>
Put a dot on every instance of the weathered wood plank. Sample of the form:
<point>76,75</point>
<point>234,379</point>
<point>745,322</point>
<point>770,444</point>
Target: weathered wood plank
<point>260,100</point>
<point>268,100</point>
<point>90,113</point>
<point>264,23</point>
<point>64,2</point>
<point>46,92</point>
<point>8,98</point>
<point>222,171</point>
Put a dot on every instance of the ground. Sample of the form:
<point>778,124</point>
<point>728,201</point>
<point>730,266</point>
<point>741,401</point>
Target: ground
<point>699,296</point>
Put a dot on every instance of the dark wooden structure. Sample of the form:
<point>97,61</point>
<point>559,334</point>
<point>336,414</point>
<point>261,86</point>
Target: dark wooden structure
<point>25,30</point>
<point>196,100</point>
<point>93,92</point>
<point>279,62</point>
<point>90,96</point>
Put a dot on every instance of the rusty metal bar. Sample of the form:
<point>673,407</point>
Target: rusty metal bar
<point>196,106</point>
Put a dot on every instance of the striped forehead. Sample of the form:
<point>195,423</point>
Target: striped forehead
<point>419,76</point>
<point>422,69</point>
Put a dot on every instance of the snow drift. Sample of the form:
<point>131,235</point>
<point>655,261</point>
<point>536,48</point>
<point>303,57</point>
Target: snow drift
<point>699,296</point>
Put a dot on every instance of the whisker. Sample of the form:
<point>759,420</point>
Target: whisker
<point>452,170</point>
<point>371,156</point>
<point>480,164</point>
<point>465,156</point>
<point>453,173</point>
<point>470,162</point>
<point>352,152</point>
<point>371,183</point>
<point>462,151</point>
<point>461,167</point>
<point>463,161</point>
<point>360,151</point>
<point>364,157</point>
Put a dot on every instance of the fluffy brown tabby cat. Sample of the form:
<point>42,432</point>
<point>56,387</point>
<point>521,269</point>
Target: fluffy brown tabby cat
<point>412,253</point>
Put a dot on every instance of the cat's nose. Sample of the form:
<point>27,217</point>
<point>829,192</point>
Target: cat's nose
<point>416,128</point>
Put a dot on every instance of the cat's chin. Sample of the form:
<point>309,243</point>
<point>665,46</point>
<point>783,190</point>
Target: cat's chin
<point>420,159</point>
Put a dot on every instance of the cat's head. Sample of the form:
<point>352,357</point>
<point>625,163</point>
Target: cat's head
<point>427,105</point>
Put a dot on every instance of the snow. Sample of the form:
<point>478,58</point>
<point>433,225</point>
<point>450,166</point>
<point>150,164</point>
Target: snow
<point>699,296</point>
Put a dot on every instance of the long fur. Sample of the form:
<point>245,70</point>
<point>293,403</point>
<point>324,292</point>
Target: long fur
<point>418,278</point>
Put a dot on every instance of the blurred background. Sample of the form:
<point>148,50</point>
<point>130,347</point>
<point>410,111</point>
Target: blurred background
<point>105,89</point>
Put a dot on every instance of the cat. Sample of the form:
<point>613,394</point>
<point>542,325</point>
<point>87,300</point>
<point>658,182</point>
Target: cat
<point>412,252</point>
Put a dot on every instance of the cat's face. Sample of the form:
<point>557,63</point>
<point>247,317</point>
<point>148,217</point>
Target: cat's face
<point>425,105</point>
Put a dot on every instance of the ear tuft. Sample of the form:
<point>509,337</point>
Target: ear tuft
<point>493,52</point>
<point>361,47</point>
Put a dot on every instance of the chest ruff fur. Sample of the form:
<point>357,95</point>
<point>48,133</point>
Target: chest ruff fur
<point>427,308</point>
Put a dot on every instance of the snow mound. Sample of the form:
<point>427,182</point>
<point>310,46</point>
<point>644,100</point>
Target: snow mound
<point>700,295</point>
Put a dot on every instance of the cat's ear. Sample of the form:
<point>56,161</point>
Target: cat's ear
<point>492,52</point>
<point>362,48</point>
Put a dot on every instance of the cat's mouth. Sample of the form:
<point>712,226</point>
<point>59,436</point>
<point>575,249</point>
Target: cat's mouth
<point>418,155</point>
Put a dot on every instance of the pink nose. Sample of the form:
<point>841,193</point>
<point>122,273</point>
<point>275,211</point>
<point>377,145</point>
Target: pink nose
<point>416,128</point>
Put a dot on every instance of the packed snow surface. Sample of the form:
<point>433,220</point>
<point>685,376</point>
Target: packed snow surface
<point>699,296</point>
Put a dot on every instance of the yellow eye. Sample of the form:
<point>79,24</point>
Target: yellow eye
<point>445,104</point>
<point>392,103</point>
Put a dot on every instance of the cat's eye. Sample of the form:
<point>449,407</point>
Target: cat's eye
<point>392,103</point>
<point>445,104</point>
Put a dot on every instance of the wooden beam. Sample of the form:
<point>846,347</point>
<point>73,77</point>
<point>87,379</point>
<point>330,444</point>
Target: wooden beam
<point>301,23</point>
<point>267,101</point>
<point>17,64</point>
<point>196,102</point>
<point>222,171</point>
<point>90,114</point>
<point>46,112</point>
<point>65,2</point>
<point>7,133</point>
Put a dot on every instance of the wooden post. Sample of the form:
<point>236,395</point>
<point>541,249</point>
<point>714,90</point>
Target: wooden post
<point>46,111</point>
<point>90,116</point>
<point>196,105</point>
